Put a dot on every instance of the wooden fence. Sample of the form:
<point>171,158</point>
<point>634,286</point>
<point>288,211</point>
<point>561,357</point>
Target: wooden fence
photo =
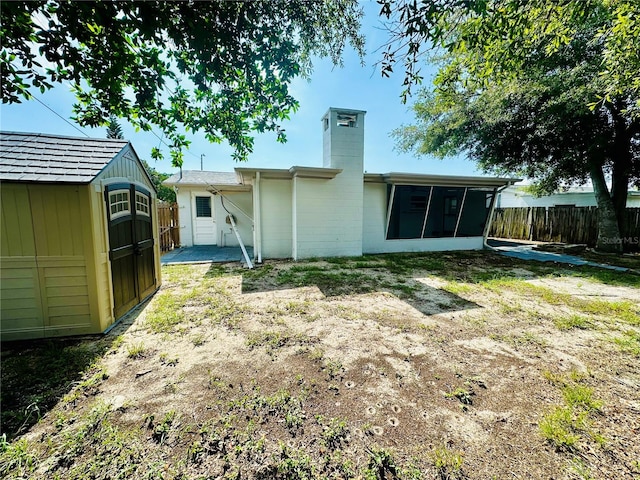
<point>169,223</point>
<point>557,224</point>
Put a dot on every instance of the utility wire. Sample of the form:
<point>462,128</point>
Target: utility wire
<point>56,113</point>
<point>83,132</point>
<point>36,21</point>
<point>169,146</point>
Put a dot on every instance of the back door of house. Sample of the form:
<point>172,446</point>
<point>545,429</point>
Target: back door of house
<point>131,249</point>
<point>204,221</point>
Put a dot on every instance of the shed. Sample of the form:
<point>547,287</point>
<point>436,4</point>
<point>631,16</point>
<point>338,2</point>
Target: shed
<point>79,240</point>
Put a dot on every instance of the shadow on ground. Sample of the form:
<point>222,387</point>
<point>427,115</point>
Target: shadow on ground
<point>36,374</point>
<point>398,275</point>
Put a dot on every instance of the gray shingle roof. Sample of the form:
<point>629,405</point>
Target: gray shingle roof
<point>39,157</point>
<point>200,177</point>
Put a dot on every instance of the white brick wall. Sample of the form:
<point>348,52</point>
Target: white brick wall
<point>183,198</point>
<point>224,232</point>
<point>275,199</point>
<point>328,217</point>
<point>328,213</point>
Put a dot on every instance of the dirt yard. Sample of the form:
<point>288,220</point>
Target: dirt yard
<point>433,366</point>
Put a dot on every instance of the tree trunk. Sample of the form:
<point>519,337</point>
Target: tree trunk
<point>621,171</point>
<point>619,193</point>
<point>609,239</point>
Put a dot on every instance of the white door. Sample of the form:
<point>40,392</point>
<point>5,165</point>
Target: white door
<point>204,221</point>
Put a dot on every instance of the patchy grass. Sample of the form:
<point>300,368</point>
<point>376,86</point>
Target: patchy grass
<point>35,375</point>
<point>629,342</point>
<point>400,366</point>
<point>137,351</point>
<point>572,321</point>
<point>566,425</point>
<point>620,310</point>
<point>448,463</point>
<point>330,281</point>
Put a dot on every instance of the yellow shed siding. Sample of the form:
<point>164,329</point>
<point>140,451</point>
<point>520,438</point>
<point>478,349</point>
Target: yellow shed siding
<point>101,265</point>
<point>48,290</point>
<point>16,237</point>
<point>57,221</point>
<point>156,240</point>
<point>20,294</point>
<point>55,272</point>
<point>66,293</point>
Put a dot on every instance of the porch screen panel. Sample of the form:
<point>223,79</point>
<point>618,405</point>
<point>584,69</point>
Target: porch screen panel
<point>408,211</point>
<point>475,212</point>
<point>443,212</point>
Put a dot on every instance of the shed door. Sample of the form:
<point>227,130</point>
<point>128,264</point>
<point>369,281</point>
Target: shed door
<point>130,245</point>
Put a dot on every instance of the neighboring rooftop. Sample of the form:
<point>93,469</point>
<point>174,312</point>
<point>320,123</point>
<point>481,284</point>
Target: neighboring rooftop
<point>39,157</point>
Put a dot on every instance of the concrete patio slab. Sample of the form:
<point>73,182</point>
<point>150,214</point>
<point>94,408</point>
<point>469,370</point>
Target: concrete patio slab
<point>204,254</point>
<point>525,251</point>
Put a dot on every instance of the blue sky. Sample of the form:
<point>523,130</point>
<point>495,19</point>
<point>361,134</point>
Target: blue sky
<point>352,86</point>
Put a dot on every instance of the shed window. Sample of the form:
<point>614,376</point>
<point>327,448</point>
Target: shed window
<point>142,204</point>
<point>203,206</point>
<point>119,203</point>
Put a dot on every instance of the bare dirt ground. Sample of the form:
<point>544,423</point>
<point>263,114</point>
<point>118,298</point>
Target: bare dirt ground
<point>460,365</point>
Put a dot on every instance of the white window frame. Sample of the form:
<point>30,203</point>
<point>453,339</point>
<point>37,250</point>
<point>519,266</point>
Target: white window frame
<point>146,203</point>
<point>113,195</point>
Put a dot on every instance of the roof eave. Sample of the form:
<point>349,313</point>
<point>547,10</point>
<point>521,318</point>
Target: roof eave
<point>399,178</point>
<point>282,174</point>
<point>315,172</point>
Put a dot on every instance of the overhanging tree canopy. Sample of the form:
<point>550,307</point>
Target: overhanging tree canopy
<point>520,92</point>
<point>518,26</point>
<point>222,68</point>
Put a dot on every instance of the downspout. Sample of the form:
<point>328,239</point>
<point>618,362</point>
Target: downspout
<point>257,216</point>
<point>487,227</point>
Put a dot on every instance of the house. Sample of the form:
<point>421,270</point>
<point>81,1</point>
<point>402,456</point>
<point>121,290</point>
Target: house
<point>577,196</point>
<point>204,198</point>
<point>79,240</point>
<point>336,209</point>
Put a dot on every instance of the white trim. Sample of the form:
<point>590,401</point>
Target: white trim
<point>426,213</point>
<point>146,197</point>
<point>294,219</point>
<point>120,213</point>
<point>464,197</point>
<point>391,198</point>
<point>487,226</point>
